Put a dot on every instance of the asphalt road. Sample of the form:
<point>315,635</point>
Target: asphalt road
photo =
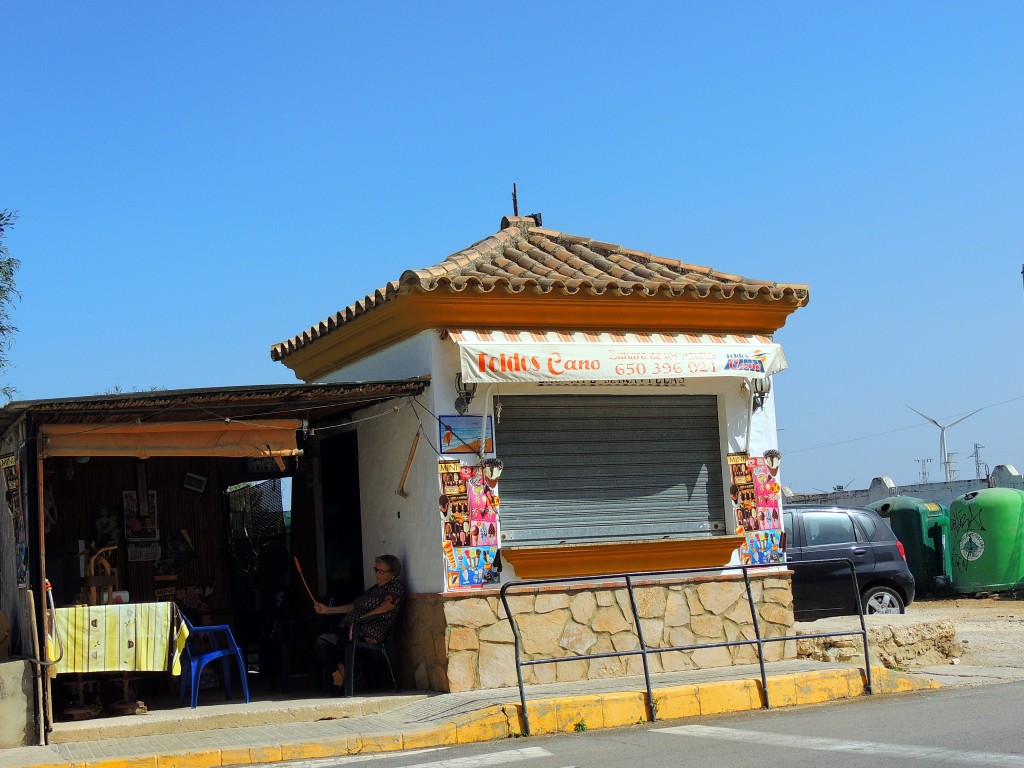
<point>954,726</point>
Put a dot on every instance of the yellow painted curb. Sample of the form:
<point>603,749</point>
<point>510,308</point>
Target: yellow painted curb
<point>580,713</point>
<point>149,761</point>
<point>729,696</point>
<point>380,742</point>
<point>230,756</point>
<point>432,736</point>
<point>543,715</point>
<point>624,708</point>
<point>486,725</point>
<point>886,680</point>
<point>782,691</point>
<point>827,685</point>
<point>677,702</point>
<point>555,715</point>
<point>305,751</point>
<point>204,759</point>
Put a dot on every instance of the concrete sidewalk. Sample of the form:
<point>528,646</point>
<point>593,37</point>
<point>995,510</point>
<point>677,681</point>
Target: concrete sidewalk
<point>270,731</point>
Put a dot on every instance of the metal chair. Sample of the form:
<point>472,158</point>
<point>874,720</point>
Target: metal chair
<point>385,649</point>
<point>222,646</point>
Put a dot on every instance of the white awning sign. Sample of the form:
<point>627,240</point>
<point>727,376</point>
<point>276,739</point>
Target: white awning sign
<point>524,356</point>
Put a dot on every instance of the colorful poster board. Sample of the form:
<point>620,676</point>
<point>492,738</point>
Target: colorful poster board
<point>766,494</point>
<point>755,492</point>
<point>468,505</point>
<point>461,434</point>
<point>762,547</point>
<point>140,524</point>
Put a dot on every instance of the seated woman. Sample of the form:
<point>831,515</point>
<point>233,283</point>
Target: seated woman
<point>377,606</point>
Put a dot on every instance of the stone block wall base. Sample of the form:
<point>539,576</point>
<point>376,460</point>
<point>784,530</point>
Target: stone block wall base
<point>463,641</point>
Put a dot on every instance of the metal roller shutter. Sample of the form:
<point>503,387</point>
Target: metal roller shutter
<point>609,467</point>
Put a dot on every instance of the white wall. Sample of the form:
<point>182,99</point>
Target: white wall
<point>733,408</point>
<point>404,526</point>
<point>410,527</point>
<point>404,360</point>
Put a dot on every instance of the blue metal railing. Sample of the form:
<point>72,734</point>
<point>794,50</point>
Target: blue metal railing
<point>608,581</point>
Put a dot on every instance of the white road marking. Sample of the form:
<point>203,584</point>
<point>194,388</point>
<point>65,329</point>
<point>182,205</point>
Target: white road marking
<point>325,762</point>
<point>479,761</point>
<point>841,745</point>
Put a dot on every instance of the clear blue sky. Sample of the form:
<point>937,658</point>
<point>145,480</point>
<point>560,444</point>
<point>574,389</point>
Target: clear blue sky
<point>198,181</point>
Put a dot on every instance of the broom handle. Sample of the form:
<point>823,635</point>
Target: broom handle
<point>298,567</point>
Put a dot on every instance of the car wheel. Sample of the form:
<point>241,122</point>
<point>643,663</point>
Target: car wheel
<point>882,600</point>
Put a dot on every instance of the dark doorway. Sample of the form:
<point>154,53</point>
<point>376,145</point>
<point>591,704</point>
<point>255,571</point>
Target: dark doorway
<point>258,569</point>
<point>343,540</point>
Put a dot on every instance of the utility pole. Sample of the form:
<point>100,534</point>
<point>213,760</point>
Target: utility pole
<point>924,469</point>
<point>977,460</point>
<point>950,471</point>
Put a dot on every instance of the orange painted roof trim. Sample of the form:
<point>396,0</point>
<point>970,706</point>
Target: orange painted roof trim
<point>526,277</point>
<point>252,438</point>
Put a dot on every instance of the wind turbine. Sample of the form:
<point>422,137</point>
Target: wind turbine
<point>942,438</point>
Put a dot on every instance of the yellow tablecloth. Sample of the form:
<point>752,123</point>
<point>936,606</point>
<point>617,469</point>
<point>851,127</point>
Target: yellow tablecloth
<point>135,637</point>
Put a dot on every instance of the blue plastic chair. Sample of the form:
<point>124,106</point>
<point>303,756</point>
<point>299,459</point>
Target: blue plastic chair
<point>222,646</point>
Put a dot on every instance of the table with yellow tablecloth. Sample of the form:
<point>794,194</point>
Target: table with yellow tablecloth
<point>133,637</point>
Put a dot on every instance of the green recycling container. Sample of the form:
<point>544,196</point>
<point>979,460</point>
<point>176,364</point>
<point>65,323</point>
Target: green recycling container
<point>986,528</point>
<point>923,529</point>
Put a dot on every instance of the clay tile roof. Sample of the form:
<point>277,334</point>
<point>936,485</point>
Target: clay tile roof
<point>523,257</point>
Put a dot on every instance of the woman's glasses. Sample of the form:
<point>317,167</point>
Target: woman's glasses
<point>381,570</point>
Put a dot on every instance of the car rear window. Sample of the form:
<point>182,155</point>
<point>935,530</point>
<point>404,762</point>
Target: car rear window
<point>823,528</point>
<point>867,523</point>
<point>874,528</point>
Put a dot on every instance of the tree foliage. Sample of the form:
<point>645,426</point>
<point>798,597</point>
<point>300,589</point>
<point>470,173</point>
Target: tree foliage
<point>8,293</point>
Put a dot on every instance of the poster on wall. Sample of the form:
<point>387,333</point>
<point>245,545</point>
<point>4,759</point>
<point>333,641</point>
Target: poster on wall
<point>762,548</point>
<point>468,505</point>
<point>755,493</point>
<point>461,434</point>
<point>12,488</point>
<point>483,512</point>
<point>140,524</point>
<point>475,567</point>
<point>742,494</point>
<point>764,470</point>
<point>106,525</point>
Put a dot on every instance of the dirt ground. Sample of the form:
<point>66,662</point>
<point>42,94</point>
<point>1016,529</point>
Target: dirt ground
<point>991,627</point>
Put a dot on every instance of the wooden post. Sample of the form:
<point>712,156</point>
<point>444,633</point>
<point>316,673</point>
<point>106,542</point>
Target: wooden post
<point>46,692</point>
<point>408,465</point>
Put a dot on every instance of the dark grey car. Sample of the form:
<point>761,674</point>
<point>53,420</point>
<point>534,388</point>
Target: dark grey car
<point>815,532</point>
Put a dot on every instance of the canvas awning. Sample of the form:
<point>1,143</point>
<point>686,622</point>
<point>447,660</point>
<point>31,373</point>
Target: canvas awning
<point>249,438</point>
<point>549,356</point>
